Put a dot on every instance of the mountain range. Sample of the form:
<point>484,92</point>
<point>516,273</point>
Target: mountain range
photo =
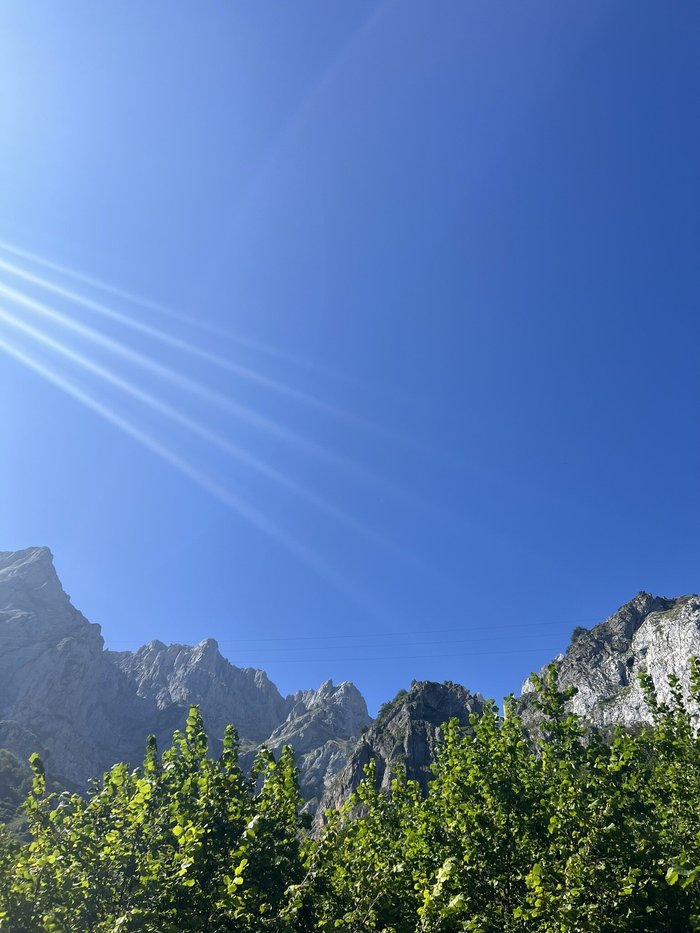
<point>83,707</point>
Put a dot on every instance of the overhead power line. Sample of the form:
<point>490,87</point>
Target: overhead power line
<point>408,657</point>
<point>494,630</point>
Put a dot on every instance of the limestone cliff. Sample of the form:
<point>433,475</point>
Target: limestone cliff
<point>322,726</point>
<point>57,686</point>
<point>183,676</point>
<point>649,633</point>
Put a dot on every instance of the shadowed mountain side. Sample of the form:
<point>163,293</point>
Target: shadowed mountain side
<point>406,733</point>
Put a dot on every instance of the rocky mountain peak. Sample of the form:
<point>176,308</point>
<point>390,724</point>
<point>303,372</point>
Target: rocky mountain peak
<point>21,561</point>
<point>406,732</point>
<point>182,676</point>
<point>29,586</point>
<point>625,622</point>
<point>322,726</point>
<point>58,692</point>
<point>649,633</point>
<point>343,704</point>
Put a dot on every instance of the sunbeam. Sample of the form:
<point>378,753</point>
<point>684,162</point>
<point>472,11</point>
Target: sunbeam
<point>255,518</point>
<point>217,399</point>
<point>156,306</point>
<point>239,453</point>
<point>183,346</point>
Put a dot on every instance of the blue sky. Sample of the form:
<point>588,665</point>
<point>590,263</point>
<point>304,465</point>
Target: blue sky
<point>413,389</point>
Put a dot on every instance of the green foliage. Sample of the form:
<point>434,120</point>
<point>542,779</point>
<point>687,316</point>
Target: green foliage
<point>386,709</point>
<point>183,843</point>
<point>15,784</point>
<point>565,833</point>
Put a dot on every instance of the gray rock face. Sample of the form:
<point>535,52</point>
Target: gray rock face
<point>84,708</point>
<point>407,732</point>
<point>322,727</point>
<point>56,682</point>
<point>650,633</point>
<point>178,675</point>
<point>318,716</point>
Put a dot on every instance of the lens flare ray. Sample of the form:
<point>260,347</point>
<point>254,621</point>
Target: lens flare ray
<point>254,517</point>
<point>156,306</point>
<point>255,463</point>
<point>214,359</point>
<point>244,372</point>
<point>224,402</point>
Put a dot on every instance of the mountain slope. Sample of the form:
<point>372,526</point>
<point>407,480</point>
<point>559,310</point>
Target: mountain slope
<point>322,727</point>
<point>649,633</point>
<point>57,685</point>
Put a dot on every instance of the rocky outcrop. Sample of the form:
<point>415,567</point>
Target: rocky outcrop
<point>406,732</point>
<point>182,676</point>
<point>56,682</point>
<point>322,727</point>
<point>650,633</point>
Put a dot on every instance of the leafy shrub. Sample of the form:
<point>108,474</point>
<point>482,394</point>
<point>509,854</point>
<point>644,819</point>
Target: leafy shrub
<point>567,833</point>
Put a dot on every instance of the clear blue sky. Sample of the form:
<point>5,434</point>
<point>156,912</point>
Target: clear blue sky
<point>441,375</point>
